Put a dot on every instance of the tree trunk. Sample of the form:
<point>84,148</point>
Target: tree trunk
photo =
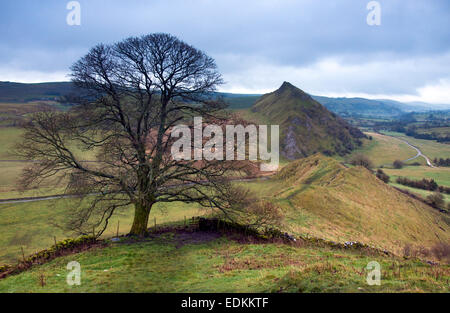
<point>140,222</point>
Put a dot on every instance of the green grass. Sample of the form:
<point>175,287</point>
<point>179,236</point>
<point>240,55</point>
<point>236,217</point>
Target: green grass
<point>9,183</point>
<point>441,174</point>
<point>10,172</point>
<point>165,264</point>
<point>32,225</point>
<point>9,136</point>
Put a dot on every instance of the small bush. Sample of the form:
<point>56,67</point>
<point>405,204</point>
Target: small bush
<point>425,184</point>
<point>383,176</point>
<point>441,251</point>
<point>407,250</point>
<point>398,164</point>
<point>436,200</point>
<point>361,160</point>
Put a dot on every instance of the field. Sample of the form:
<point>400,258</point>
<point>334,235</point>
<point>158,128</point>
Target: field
<point>440,174</point>
<point>440,131</point>
<point>31,225</point>
<point>384,150</point>
<point>208,262</point>
<point>11,167</point>
<point>9,136</point>
<point>420,192</point>
<point>430,148</point>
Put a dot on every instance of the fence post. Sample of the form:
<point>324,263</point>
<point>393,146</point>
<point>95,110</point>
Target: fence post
<point>23,254</point>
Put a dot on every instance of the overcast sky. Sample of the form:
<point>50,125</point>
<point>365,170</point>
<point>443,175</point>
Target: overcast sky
<point>325,47</point>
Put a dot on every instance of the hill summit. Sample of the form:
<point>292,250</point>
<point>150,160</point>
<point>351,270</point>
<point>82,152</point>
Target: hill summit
<point>306,126</point>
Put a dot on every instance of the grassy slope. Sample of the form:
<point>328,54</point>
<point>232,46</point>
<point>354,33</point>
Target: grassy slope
<point>323,198</point>
<point>31,225</point>
<point>167,264</point>
<point>384,150</point>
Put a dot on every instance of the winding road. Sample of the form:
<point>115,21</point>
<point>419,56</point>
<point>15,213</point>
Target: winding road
<point>419,153</point>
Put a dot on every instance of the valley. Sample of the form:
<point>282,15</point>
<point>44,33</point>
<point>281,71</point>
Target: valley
<point>320,194</point>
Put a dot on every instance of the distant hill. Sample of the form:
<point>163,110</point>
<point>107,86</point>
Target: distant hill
<point>306,126</point>
<point>239,101</point>
<point>18,92</point>
<point>331,201</point>
<point>409,106</point>
<point>361,106</point>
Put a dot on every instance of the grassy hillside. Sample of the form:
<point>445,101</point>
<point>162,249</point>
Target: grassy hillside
<point>306,126</point>
<point>318,196</point>
<point>207,262</point>
<point>323,198</point>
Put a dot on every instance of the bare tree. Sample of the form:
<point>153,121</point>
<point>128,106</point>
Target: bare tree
<point>132,94</point>
<point>361,160</point>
